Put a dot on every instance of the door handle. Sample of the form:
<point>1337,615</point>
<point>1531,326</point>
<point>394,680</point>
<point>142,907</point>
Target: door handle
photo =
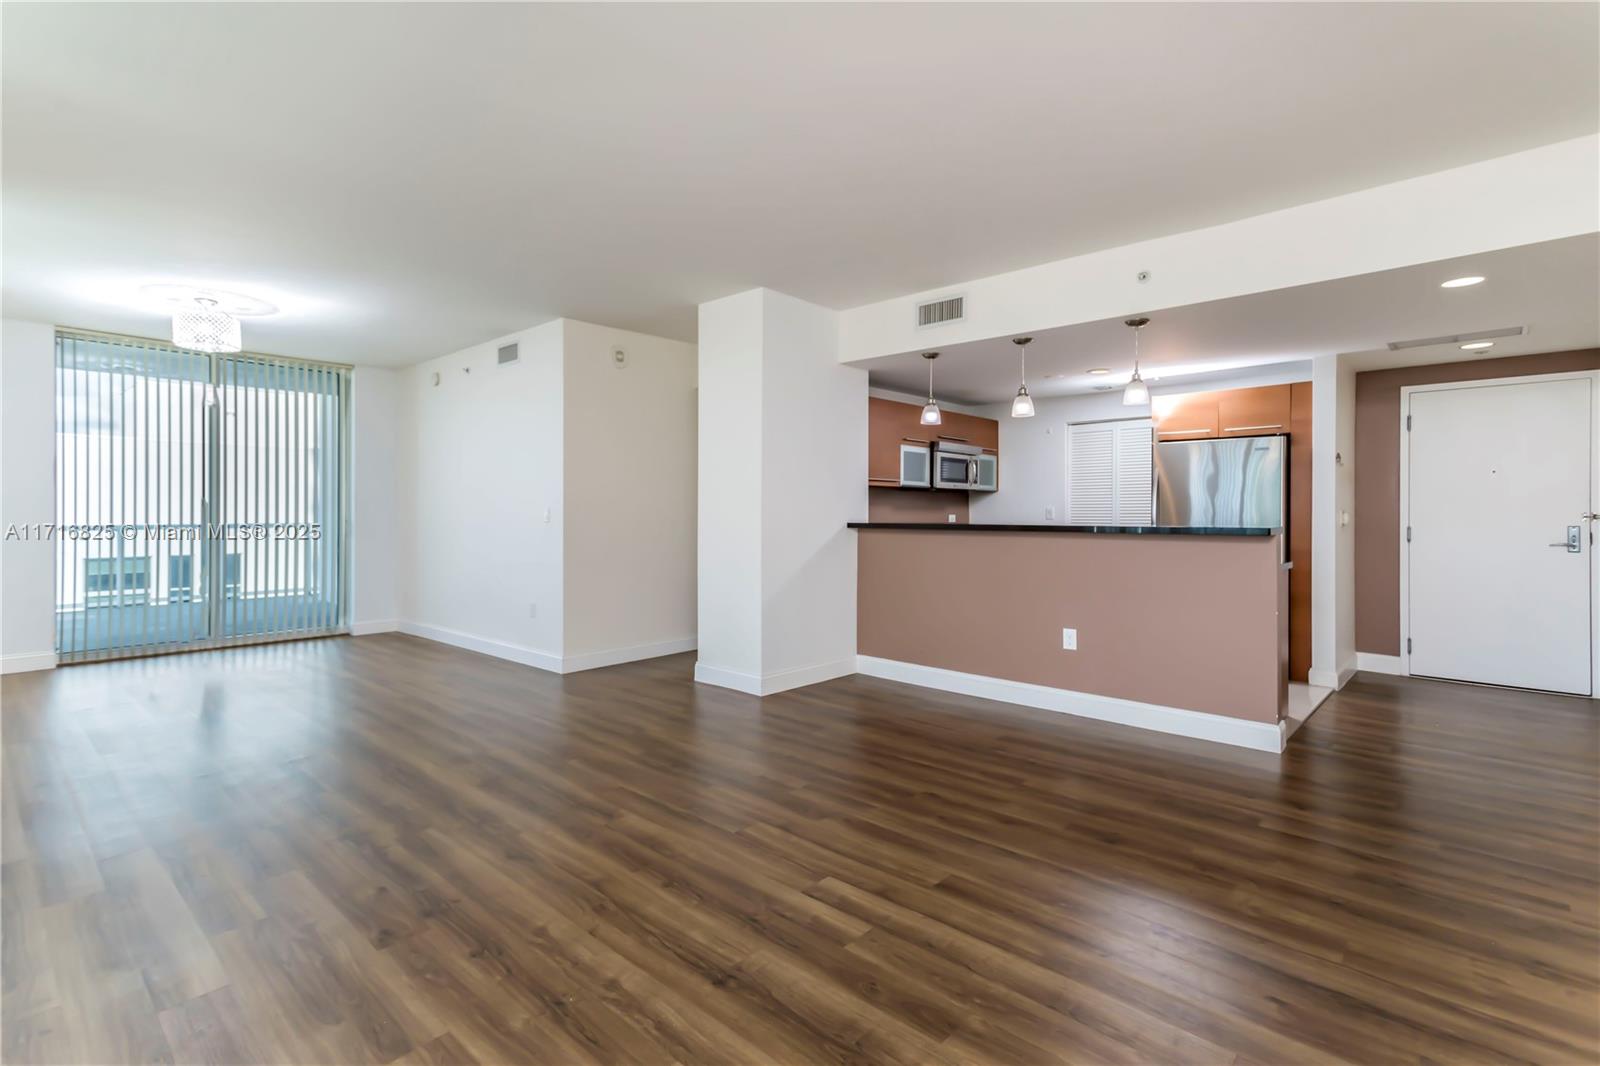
<point>1574,541</point>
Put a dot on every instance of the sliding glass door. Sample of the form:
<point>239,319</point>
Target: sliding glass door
<point>200,499</point>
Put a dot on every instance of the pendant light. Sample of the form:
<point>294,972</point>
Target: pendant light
<point>204,327</point>
<point>930,411</point>
<point>1136,393</point>
<point>1022,406</point>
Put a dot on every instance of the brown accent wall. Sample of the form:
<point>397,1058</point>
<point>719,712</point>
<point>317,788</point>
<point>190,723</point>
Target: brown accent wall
<point>1377,459</point>
<point>1300,530</point>
<point>1192,622</point>
<point>916,505</point>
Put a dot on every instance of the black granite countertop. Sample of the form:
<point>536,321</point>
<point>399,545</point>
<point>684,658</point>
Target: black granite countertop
<point>985,527</point>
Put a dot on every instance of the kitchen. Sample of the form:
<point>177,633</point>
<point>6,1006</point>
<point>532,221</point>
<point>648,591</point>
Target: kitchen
<point>1095,549</point>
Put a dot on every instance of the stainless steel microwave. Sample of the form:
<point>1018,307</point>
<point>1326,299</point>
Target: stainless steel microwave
<point>963,466</point>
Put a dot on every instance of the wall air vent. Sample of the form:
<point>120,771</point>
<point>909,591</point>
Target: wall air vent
<point>508,354</point>
<point>1459,338</point>
<point>938,312</point>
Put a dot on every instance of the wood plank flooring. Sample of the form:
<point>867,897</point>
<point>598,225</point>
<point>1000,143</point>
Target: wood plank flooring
<point>388,850</point>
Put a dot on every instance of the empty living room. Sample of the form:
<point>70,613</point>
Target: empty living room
<point>787,533</point>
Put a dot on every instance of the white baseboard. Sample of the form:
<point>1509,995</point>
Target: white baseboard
<point>716,675</point>
<point>1380,664</point>
<point>1240,732</point>
<point>572,664</point>
<point>541,660</point>
<point>773,683</point>
<point>1331,679</point>
<point>514,652</point>
<point>21,664</point>
<point>365,629</point>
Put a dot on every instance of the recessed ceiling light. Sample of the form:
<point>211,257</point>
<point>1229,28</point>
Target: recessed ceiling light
<point>1459,283</point>
<point>1100,370</point>
<point>1477,346</point>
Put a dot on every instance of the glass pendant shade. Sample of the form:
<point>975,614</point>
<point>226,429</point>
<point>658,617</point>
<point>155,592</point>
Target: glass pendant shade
<point>1022,406</point>
<point>203,328</point>
<point>930,410</point>
<point>1136,392</point>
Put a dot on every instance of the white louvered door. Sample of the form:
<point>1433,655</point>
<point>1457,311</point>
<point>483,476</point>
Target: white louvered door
<point>1109,473</point>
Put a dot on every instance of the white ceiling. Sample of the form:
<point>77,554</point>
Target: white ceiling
<point>1552,289</point>
<point>403,180</point>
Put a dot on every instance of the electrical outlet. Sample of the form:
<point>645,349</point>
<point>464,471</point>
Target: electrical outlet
<point>1049,514</point>
<point>1069,640</point>
<point>950,519</point>
<point>533,610</point>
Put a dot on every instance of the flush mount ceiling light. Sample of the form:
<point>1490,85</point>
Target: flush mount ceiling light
<point>231,303</point>
<point>1477,346</point>
<point>206,320</point>
<point>1136,392</point>
<point>205,328</point>
<point>1022,406</point>
<point>930,411</point>
<point>1460,283</point>
<point>1100,370</point>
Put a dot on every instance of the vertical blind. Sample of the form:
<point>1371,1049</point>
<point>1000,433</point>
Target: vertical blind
<point>200,499</point>
<point>1110,473</point>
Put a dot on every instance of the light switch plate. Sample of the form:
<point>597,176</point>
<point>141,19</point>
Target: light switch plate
<point>1069,640</point>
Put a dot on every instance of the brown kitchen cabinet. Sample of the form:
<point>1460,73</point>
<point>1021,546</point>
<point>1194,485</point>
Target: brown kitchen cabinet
<point>1253,412</point>
<point>891,423</point>
<point>1190,417</point>
<point>968,429</point>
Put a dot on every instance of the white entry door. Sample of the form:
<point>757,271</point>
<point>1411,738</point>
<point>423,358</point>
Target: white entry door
<point>1499,483</point>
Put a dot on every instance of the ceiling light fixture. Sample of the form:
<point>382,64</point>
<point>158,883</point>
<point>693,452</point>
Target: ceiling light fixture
<point>1477,346</point>
<point>1136,393</point>
<point>930,411</point>
<point>203,327</point>
<point>1460,283</point>
<point>1100,370</point>
<point>1022,406</point>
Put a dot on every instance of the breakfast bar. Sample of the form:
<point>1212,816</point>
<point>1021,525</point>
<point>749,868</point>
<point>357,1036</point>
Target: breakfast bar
<point>1179,629</point>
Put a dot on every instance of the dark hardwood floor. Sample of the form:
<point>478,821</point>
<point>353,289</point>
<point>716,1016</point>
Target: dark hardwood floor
<point>389,850</point>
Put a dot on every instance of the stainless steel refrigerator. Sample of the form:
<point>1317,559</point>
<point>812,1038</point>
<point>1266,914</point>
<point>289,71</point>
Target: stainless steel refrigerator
<point>1225,482</point>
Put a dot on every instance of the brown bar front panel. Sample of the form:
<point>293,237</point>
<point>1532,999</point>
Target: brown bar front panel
<point>1190,622</point>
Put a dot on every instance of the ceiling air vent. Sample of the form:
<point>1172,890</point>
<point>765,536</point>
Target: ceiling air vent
<point>508,354</point>
<point>938,312</point>
<point>1459,338</point>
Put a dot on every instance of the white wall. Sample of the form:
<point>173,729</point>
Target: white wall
<point>1333,633</point>
<point>729,521</point>
<point>814,477</point>
<point>485,508</point>
<point>783,448</point>
<point>630,495</point>
<point>27,494</point>
<point>1538,195</point>
<point>379,431</point>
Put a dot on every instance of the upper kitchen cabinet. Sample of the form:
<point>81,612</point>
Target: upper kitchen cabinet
<point>968,429</point>
<point>889,425</point>
<point>895,433</point>
<point>1189,417</point>
<point>1253,412</point>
